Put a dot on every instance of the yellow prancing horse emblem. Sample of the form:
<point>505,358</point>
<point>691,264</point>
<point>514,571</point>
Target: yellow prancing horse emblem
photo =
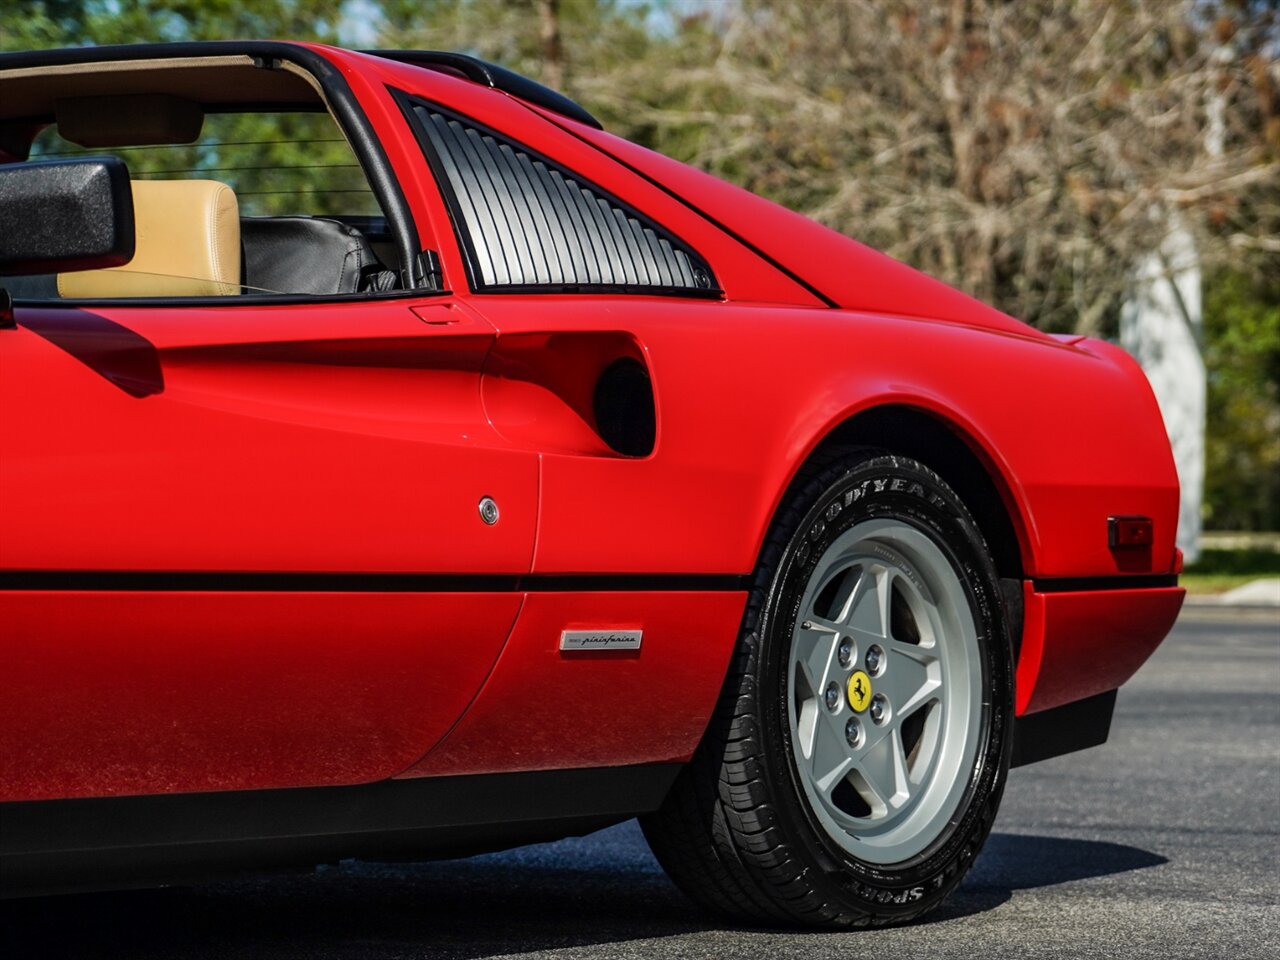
<point>859,691</point>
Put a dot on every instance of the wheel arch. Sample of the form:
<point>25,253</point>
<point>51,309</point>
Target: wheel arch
<point>953,452</point>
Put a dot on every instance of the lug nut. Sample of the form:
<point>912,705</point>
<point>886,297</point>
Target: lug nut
<point>879,709</point>
<point>875,660</point>
<point>833,697</point>
<point>845,652</point>
<point>853,731</point>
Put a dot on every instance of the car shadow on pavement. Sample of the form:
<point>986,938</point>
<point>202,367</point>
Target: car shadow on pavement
<point>579,893</point>
<point>1014,861</point>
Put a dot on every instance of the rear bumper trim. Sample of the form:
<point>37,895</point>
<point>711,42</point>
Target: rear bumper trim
<point>1094,584</point>
<point>1077,644</point>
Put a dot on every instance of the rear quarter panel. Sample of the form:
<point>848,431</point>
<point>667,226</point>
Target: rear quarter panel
<point>746,392</point>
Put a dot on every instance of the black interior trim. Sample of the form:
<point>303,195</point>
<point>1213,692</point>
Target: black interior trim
<point>200,582</point>
<point>60,845</point>
<point>1065,729</point>
<point>1089,584</point>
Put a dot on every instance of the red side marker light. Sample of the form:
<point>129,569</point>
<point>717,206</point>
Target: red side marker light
<point>1123,532</point>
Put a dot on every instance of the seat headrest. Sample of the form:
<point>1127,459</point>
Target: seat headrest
<point>310,255</point>
<point>188,245</point>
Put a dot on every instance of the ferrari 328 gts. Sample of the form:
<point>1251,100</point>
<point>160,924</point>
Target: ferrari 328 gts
<point>394,464</point>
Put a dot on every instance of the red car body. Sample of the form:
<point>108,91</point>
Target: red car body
<point>241,548</point>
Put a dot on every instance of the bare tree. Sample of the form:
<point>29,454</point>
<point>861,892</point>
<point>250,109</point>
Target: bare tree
<point>1022,151</point>
<point>552,49</point>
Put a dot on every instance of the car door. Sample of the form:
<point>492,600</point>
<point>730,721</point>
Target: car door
<point>615,307</point>
<point>608,308</point>
<point>243,546</point>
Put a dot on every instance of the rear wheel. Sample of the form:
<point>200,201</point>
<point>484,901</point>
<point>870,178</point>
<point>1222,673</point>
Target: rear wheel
<point>859,748</point>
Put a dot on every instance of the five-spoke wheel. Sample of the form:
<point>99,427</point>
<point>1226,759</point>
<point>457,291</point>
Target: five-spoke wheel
<point>884,692</point>
<point>858,752</point>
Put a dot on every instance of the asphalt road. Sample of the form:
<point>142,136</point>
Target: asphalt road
<point>1163,843</point>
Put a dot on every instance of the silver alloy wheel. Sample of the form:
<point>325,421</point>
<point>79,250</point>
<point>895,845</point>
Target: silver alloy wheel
<point>885,620</point>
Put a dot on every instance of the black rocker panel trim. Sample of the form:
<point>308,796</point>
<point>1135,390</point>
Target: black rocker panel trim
<point>1090,584</point>
<point>527,224</point>
<point>200,582</point>
<point>1065,729</point>
<point>62,845</point>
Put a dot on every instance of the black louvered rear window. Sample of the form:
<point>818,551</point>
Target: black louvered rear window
<point>525,222</point>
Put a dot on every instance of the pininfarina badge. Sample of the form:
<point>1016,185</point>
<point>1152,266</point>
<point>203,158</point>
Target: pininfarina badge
<point>600,639</point>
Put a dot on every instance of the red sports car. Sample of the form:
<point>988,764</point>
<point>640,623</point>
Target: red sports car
<point>395,464</point>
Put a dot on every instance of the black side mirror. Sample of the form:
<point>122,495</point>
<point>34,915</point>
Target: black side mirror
<point>62,215</point>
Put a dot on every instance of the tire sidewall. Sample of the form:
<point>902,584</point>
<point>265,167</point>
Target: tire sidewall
<point>903,490</point>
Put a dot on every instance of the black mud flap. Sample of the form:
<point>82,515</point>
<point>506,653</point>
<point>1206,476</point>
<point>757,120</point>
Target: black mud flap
<point>1065,729</point>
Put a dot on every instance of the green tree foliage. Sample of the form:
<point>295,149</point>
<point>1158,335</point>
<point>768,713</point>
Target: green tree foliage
<point>30,24</point>
<point>1242,353</point>
<point>591,38</point>
<point>278,163</point>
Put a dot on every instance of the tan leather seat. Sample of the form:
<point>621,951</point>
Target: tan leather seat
<point>188,245</point>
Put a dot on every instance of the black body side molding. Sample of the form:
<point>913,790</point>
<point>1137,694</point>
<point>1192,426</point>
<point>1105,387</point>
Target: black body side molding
<point>165,580</point>
<point>58,846</point>
<point>1065,729</point>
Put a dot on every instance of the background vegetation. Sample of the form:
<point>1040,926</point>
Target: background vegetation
<point>1028,152</point>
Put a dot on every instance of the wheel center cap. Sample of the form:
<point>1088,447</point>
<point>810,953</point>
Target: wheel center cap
<point>859,691</point>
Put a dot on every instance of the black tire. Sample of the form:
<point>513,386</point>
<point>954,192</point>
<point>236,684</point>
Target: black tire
<point>737,833</point>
